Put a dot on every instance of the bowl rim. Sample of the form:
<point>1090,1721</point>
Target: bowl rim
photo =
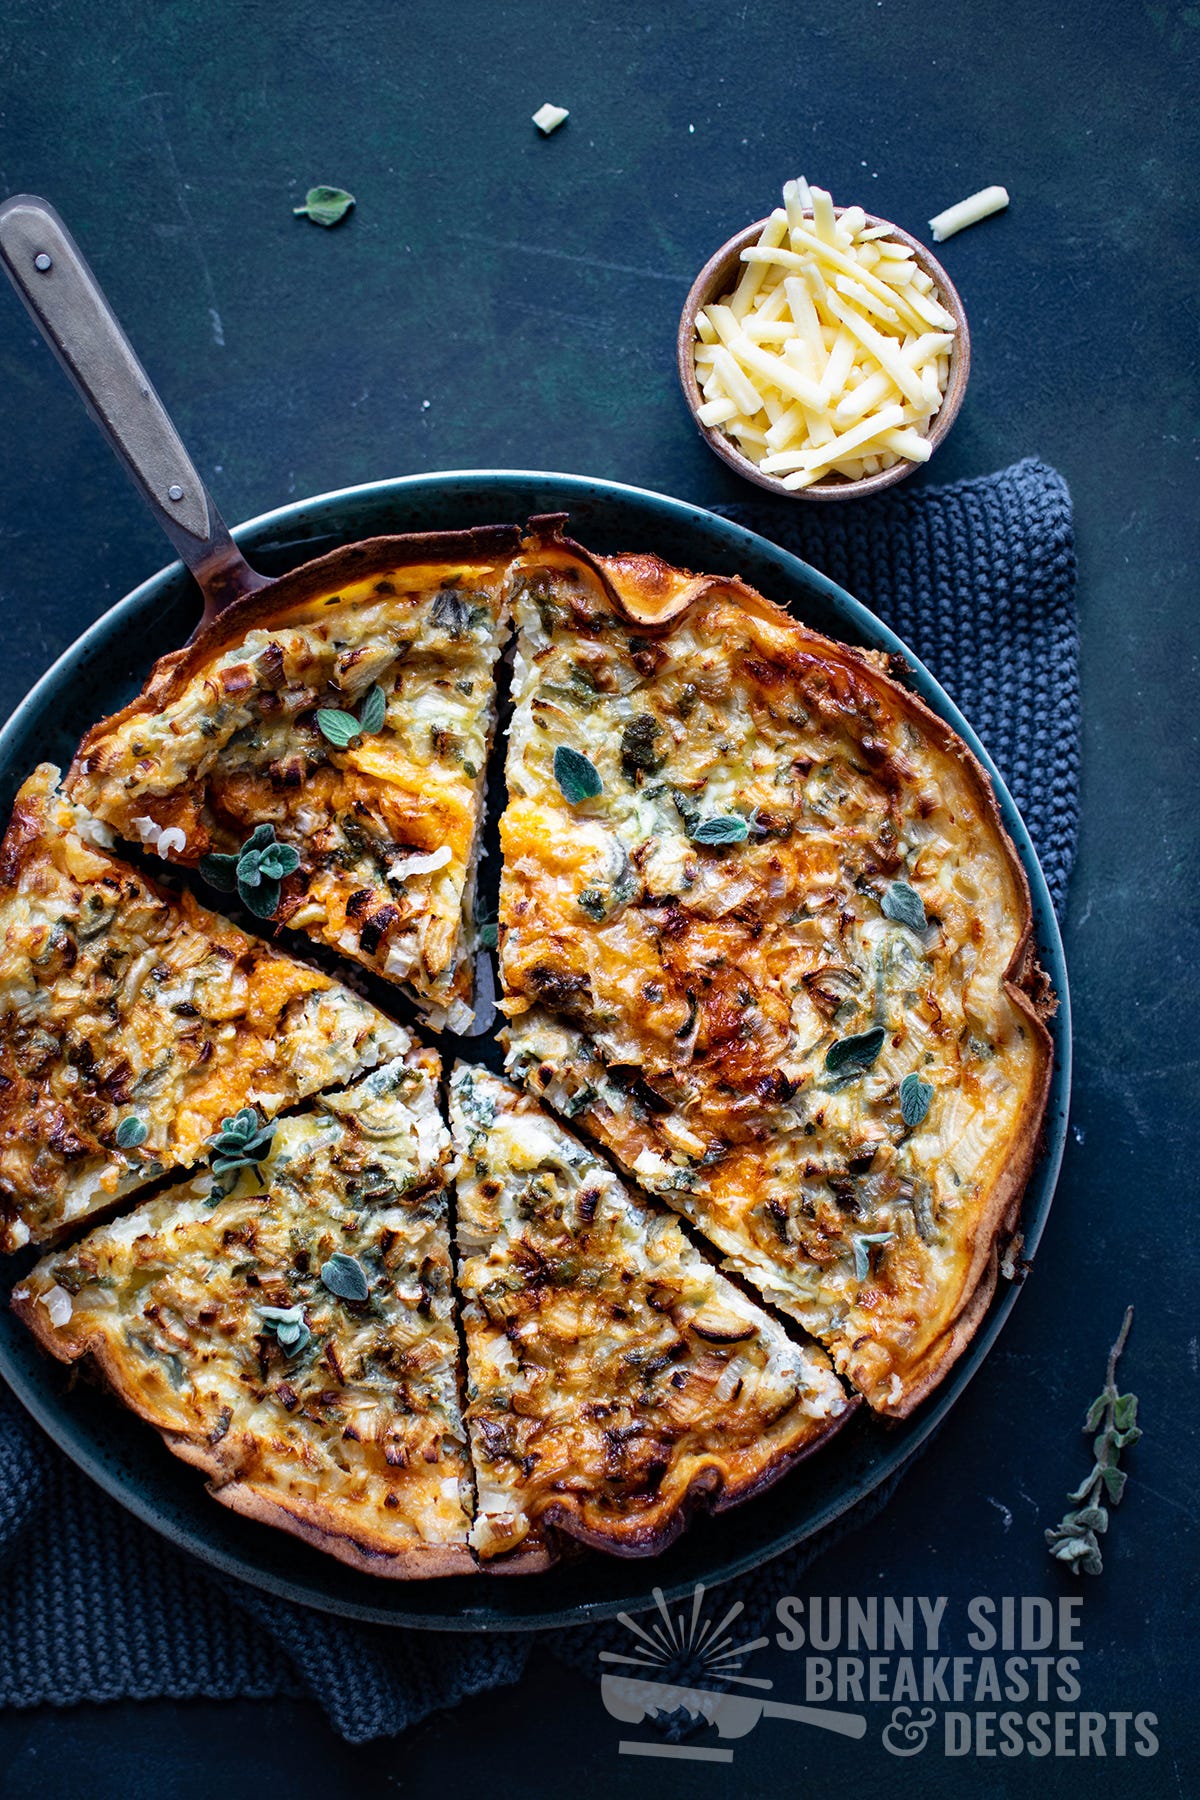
<point>718,270</point>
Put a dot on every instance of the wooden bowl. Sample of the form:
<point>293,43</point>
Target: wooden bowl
<point>719,276</point>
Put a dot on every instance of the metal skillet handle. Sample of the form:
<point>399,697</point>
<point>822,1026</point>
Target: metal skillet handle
<point>69,308</point>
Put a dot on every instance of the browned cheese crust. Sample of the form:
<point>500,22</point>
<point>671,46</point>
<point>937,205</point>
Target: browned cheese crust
<point>708,964</point>
<point>133,1020</point>
<point>617,1381</point>
<point>228,737</point>
<point>342,1426</point>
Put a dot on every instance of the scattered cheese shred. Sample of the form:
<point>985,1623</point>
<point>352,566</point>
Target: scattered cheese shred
<point>832,353</point>
<point>978,206</point>
<point>548,118</point>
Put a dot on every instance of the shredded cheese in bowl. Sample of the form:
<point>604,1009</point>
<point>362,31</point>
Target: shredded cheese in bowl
<point>831,355</point>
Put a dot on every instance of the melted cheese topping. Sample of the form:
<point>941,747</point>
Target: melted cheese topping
<point>681,999</point>
<point>237,744</point>
<point>356,1432</point>
<point>119,1002</point>
<point>612,1371</point>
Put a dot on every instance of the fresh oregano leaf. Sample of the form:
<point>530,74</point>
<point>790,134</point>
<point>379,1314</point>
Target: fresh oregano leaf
<point>288,1325</point>
<point>373,710</point>
<point>131,1131</point>
<point>721,828</point>
<point>489,935</point>
<point>916,1097</point>
<point>857,1052</point>
<point>242,1142</point>
<point>261,899</point>
<point>220,872</point>
<point>324,205</point>
<point>278,860</point>
<point>903,904</point>
<point>338,728</point>
<point>576,776</point>
<point>862,1251</point>
<point>345,1277</point>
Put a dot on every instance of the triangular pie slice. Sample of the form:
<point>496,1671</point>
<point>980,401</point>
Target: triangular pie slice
<point>294,1336</point>
<point>326,742</point>
<point>616,1380</point>
<point>764,936</point>
<point>133,1020</point>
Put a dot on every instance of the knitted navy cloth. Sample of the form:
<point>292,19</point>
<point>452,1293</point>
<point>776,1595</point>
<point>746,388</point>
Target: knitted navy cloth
<point>979,579</point>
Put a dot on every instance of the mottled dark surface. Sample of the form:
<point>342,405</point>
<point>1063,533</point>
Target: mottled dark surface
<point>500,300</point>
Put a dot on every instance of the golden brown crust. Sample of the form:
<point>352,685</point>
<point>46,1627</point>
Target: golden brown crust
<point>587,973</point>
<point>620,1383</point>
<point>271,605</point>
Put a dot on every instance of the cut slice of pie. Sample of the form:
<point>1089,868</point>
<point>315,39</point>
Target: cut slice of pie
<point>763,935</point>
<point>289,1327</point>
<point>616,1380</point>
<point>321,749</point>
<point>132,1021</point>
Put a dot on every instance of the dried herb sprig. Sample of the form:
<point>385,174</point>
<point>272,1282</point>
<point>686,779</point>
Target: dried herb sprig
<point>1113,1418</point>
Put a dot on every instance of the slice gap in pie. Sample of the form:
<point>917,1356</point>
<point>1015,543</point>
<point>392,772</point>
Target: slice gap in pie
<point>616,1380</point>
<point>321,750</point>
<point>294,1336</point>
<point>133,1021</point>
<point>764,937</point>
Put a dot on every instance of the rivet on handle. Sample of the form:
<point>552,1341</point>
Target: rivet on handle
<point>174,492</point>
<point>43,262</point>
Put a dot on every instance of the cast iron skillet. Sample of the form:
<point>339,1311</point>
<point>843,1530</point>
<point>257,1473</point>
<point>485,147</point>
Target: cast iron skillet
<point>100,673</point>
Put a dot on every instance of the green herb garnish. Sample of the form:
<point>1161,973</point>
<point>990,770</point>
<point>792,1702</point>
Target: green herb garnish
<point>345,1277</point>
<point>324,205</point>
<point>903,904</point>
<point>1113,1417</point>
<point>242,1142</point>
<point>342,728</point>
<point>256,870</point>
<point>488,934</point>
<point>862,1251</point>
<point>131,1131</point>
<point>577,777</point>
<point>721,828</point>
<point>857,1052</point>
<point>288,1325</point>
<point>916,1096</point>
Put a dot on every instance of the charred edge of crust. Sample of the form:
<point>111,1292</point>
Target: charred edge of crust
<point>1024,982</point>
<point>353,562</point>
<point>708,1491</point>
<point>316,1523</point>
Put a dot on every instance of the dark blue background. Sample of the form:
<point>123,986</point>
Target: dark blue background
<point>500,300</point>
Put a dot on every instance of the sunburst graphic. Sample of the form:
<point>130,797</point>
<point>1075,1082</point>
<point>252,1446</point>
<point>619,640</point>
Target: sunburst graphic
<point>675,1646</point>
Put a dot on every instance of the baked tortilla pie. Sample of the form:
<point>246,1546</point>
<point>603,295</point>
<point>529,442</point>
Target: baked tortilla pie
<point>294,1336</point>
<point>763,936</point>
<point>133,1020</point>
<point>253,728</point>
<point>616,1380</point>
<point>763,942</point>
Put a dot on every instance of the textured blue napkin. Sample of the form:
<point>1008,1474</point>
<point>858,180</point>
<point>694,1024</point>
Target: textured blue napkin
<point>979,579</point>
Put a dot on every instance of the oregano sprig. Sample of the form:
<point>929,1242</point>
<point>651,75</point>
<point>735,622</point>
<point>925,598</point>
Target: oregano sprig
<point>288,1325</point>
<point>1113,1419</point>
<point>242,1142</point>
<point>255,870</point>
<point>341,729</point>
